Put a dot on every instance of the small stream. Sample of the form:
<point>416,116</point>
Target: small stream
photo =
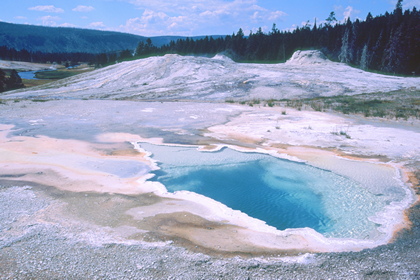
<point>28,75</point>
<point>31,75</point>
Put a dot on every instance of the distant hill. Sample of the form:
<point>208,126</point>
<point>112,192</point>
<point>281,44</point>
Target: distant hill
<point>35,38</point>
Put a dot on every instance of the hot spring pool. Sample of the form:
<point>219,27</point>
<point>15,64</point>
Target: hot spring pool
<point>284,194</point>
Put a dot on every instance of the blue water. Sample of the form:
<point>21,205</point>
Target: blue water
<point>242,187</point>
<point>284,194</point>
<point>29,75</point>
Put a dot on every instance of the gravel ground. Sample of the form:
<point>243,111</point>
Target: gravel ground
<point>33,248</point>
<point>40,238</point>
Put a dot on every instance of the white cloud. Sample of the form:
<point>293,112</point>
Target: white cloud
<point>150,16</point>
<point>410,4</point>
<point>49,20</point>
<point>48,9</point>
<point>20,17</point>
<point>276,15</point>
<point>350,12</point>
<point>256,16</point>
<point>82,8</point>
<point>66,24</point>
<point>155,23</point>
<point>97,24</point>
<point>187,17</point>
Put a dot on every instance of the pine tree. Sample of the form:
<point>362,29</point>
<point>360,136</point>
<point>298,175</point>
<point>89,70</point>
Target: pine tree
<point>14,81</point>
<point>239,43</point>
<point>364,60</point>
<point>394,52</point>
<point>3,86</point>
<point>331,19</point>
<point>346,53</point>
<point>399,5</point>
<point>140,49</point>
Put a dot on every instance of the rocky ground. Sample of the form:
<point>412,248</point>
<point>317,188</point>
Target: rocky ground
<point>38,250</point>
<point>57,221</point>
<point>47,233</point>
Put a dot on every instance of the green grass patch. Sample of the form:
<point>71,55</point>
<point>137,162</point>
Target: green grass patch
<point>39,100</point>
<point>33,83</point>
<point>401,104</point>
<point>55,75</point>
<point>62,73</point>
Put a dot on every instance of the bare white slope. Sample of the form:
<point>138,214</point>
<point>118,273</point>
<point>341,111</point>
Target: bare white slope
<point>25,66</point>
<point>306,74</point>
<point>307,57</point>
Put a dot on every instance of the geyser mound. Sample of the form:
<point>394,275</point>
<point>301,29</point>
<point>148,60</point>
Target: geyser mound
<point>307,58</point>
<point>173,77</point>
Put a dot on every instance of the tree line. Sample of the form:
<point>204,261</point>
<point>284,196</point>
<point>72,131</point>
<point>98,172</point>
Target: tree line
<point>68,59</point>
<point>387,43</point>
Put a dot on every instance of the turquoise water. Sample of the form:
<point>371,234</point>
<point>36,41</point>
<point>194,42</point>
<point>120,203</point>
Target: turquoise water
<point>280,202</point>
<point>29,75</point>
<point>284,194</point>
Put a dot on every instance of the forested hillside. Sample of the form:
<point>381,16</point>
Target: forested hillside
<point>388,43</point>
<point>33,38</point>
<point>22,42</point>
<point>62,39</point>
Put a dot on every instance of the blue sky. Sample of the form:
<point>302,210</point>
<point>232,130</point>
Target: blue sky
<point>188,17</point>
